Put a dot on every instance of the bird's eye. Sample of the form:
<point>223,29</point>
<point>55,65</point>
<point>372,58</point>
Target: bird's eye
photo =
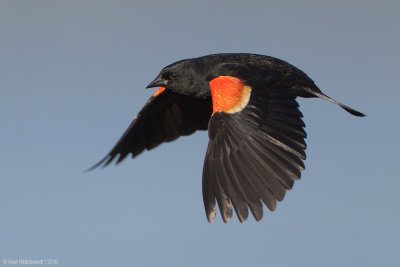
<point>169,75</point>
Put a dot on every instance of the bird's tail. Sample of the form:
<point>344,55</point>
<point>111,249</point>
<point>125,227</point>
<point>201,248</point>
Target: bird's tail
<point>329,99</point>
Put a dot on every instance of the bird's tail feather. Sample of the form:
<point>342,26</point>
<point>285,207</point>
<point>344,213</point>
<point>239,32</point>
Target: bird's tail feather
<point>329,99</point>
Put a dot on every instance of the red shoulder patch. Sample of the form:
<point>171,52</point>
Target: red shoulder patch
<point>159,91</point>
<point>229,94</point>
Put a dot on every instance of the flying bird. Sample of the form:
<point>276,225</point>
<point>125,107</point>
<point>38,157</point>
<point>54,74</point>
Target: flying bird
<point>247,102</point>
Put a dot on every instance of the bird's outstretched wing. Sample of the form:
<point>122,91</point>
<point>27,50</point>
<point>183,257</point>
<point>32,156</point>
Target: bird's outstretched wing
<point>254,155</point>
<point>165,117</point>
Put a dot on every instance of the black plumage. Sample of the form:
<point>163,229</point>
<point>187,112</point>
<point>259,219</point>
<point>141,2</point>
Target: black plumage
<point>257,146</point>
<point>163,119</point>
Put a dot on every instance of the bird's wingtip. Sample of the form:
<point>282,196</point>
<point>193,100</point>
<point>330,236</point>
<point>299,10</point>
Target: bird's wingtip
<point>103,163</point>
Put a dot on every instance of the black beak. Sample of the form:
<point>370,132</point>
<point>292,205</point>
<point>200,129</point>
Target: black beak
<point>159,81</point>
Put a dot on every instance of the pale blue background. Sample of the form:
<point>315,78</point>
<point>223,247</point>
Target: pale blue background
<point>72,77</point>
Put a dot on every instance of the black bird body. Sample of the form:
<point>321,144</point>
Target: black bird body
<point>250,68</point>
<point>248,104</point>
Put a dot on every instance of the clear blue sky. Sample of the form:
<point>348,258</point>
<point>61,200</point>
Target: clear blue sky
<point>72,77</point>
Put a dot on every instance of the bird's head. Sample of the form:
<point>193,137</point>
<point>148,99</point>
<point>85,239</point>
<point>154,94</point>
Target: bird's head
<point>192,76</point>
<point>184,77</point>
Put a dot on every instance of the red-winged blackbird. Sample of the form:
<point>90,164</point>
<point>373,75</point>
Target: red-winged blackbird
<point>248,104</point>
